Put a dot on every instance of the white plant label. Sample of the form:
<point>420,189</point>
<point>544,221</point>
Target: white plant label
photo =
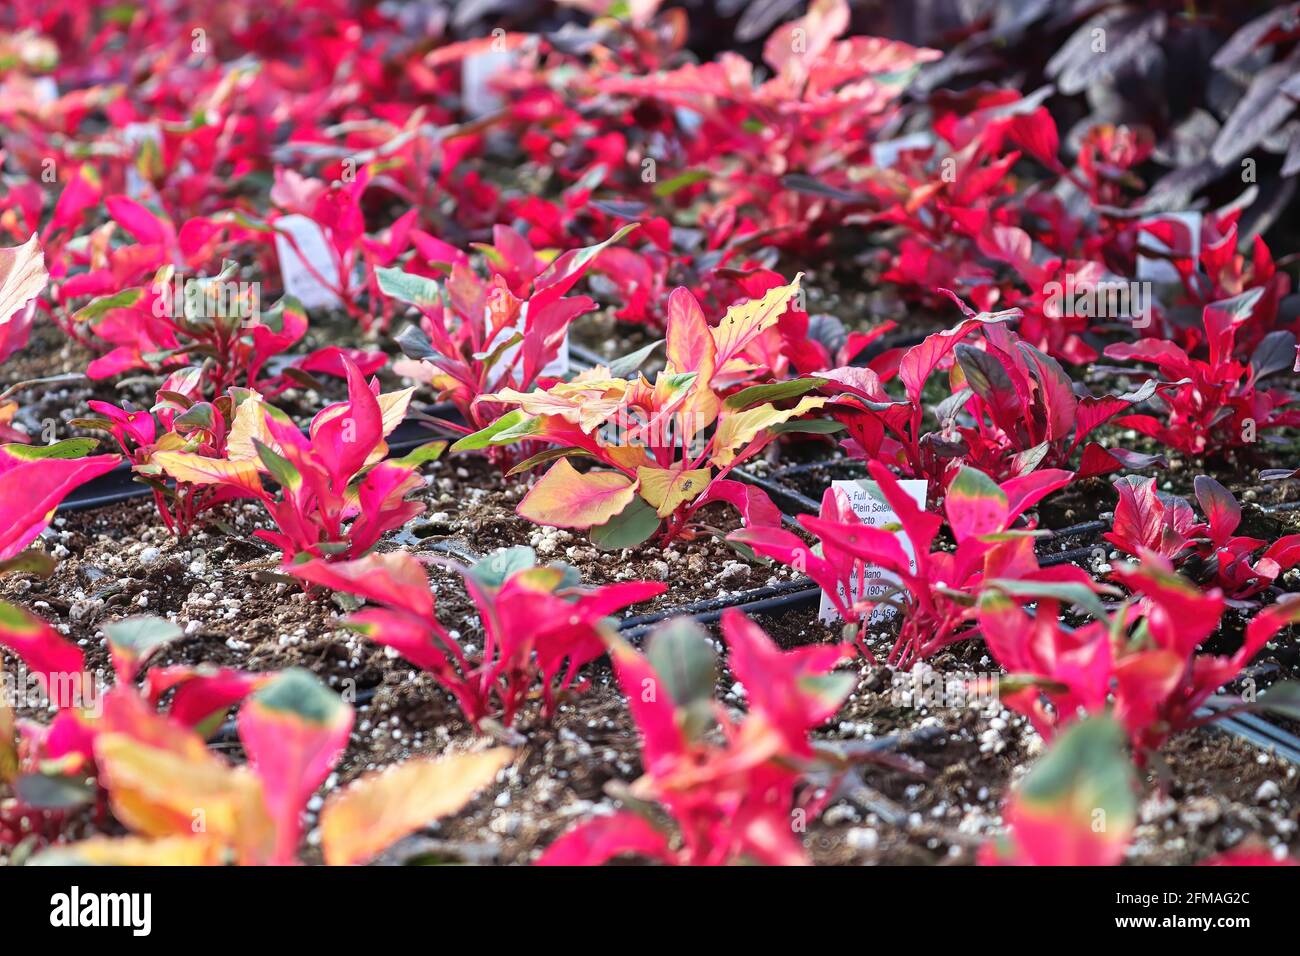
<point>298,279</point>
<point>874,512</point>
<point>1158,270</point>
<point>477,71</point>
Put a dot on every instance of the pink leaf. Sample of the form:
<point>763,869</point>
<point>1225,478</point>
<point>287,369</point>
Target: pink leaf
<point>602,839</point>
<point>294,731</point>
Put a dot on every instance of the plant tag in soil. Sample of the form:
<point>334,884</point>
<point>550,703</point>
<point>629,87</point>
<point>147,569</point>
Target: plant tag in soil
<point>298,279</point>
<point>557,367</point>
<point>863,497</point>
<point>1158,270</point>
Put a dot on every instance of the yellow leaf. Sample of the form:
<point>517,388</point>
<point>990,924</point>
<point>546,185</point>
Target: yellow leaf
<point>7,412</point>
<point>171,441</point>
<point>197,470</point>
<point>691,348</point>
<point>585,404</point>
<point>736,429</point>
<point>626,456</point>
<point>381,808</point>
<point>134,851</point>
<point>392,407</point>
<point>249,423</point>
<point>666,488</point>
<point>566,498</point>
<point>746,320</point>
<point>8,739</point>
<point>163,793</point>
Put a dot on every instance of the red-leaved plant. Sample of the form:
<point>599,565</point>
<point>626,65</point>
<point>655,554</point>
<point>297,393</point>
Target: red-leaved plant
<point>488,336</point>
<point>665,448</point>
<point>730,794</point>
<point>1012,408</point>
<point>51,767</point>
<point>218,321</point>
<point>1144,655</point>
<point>185,804</point>
<point>540,626</point>
<point>187,424</point>
<point>34,479</point>
<point>937,588</point>
<point>337,493</point>
<point>1217,403</point>
<point>1208,552</point>
<point>1052,814</point>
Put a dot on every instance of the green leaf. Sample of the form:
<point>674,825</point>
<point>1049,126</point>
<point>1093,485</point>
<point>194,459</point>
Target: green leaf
<point>415,344</point>
<point>1087,769</point>
<point>680,181</point>
<point>418,291</point>
<point>1014,534</point>
<point>1282,698</point>
<point>1078,595</point>
<point>68,448</point>
<point>683,658</point>
<point>631,526</point>
<point>832,688</point>
<point>550,454</point>
<point>775,392</point>
<point>175,398</point>
<point>201,415</point>
<point>494,570</point>
<point>141,636</point>
<point>92,424</point>
<point>29,562</point>
<point>630,364</point>
<point>106,303</point>
<point>49,792</point>
<point>303,379</point>
<point>429,451</point>
<point>300,692</point>
<point>285,474</point>
<point>490,358</point>
<point>808,426</point>
<point>680,381</point>
<point>484,436</point>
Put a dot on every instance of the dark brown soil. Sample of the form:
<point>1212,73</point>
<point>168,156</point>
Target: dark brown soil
<point>934,797</point>
<point>932,794</point>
